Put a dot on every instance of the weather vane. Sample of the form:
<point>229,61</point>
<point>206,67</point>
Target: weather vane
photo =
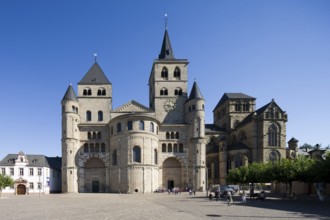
<point>95,56</point>
<point>165,21</point>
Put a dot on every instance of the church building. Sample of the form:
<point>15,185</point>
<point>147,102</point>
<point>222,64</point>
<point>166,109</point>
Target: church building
<point>139,149</point>
<point>134,148</point>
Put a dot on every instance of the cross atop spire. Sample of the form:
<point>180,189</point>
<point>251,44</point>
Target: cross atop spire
<point>95,56</point>
<point>165,20</point>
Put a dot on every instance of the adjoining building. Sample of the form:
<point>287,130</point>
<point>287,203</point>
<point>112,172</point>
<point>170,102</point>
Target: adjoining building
<point>32,173</point>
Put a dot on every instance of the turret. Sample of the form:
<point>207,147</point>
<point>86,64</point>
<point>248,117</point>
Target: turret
<point>195,117</point>
<point>70,140</point>
<point>194,112</point>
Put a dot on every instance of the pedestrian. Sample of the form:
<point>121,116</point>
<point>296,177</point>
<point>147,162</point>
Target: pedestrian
<point>210,196</point>
<point>243,196</point>
<point>229,198</point>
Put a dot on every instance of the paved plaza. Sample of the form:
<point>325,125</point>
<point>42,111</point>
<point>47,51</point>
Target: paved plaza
<point>156,207</point>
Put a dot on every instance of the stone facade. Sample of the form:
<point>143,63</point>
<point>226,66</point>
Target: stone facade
<point>242,135</point>
<point>138,149</point>
<point>133,148</point>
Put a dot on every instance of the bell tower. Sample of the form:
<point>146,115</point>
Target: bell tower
<point>168,85</point>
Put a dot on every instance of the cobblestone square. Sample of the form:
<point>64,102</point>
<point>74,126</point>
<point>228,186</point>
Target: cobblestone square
<point>155,206</point>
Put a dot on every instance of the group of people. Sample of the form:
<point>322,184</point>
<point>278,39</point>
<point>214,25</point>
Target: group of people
<point>229,196</point>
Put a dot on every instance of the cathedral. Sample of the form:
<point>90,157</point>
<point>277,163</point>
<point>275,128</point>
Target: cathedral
<point>139,149</point>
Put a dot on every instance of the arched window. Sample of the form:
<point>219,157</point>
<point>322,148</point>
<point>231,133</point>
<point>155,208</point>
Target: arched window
<point>163,147</point>
<point>163,92</point>
<point>114,157</point>
<point>87,91</point>
<point>99,135</point>
<point>118,127</point>
<point>129,125</point>
<point>155,157</point>
<point>167,135</point>
<point>176,135</point>
<point>86,148</point>
<point>94,135</point>
<point>103,147</point>
<point>274,156</point>
<point>91,148</point>
<point>137,154</point>
<point>272,135</point>
<point>88,116</point>
<point>101,92</point>
<point>169,148</point>
<point>172,135</point>
<point>177,72</point>
<point>100,115</point>
<point>97,147</point>
<point>142,125</point>
<point>180,148</point>
<point>164,73</point>
<point>193,107</point>
<point>89,135</point>
<point>152,127</point>
<point>238,161</point>
<point>175,148</point>
<point>178,92</point>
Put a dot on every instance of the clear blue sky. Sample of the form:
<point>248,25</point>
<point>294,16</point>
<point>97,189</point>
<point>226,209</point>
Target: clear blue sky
<point>266,49</point>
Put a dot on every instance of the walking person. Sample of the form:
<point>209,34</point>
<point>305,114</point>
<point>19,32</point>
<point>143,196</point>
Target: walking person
<point>243,196</point>
<point>229,198</point>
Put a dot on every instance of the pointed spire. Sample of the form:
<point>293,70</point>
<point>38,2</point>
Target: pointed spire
<point>70,94</point>
<point>166,50</point>
<point>195,92</point>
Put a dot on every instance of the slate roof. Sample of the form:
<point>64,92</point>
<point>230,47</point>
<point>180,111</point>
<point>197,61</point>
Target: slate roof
<point>34,161</point>
<point>166,50</point>
<point>211,128</point>
<point>195,92</point>
<point>238,146</point>
<point>94,76</point>
<point>293,140</point>
<point>228,96</point>
<point>70,94</point>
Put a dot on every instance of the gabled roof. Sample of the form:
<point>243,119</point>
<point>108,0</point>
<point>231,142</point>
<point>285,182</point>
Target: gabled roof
<point>94,76</point>
<point>132,106</point>
<point>166,50</point>
<point>34,161</point>
<point>195,92</point>
<point>70,94</point>
<point>259,112</point>
<point>228,96</point>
